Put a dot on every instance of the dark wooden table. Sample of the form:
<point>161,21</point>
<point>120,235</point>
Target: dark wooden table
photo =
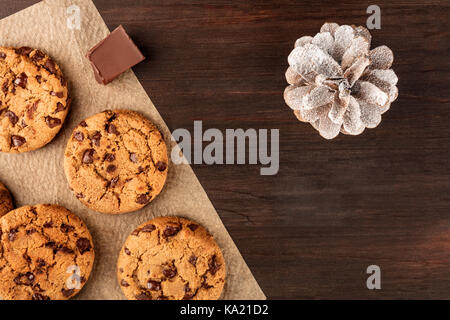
<point>337,206</point>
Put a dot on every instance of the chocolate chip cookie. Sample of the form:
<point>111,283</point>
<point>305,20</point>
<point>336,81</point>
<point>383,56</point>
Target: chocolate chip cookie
<point>33,99</point>
<point>6,204</point>
<point>171,258</point>
<point>46,253</point>
<point>116,161</point>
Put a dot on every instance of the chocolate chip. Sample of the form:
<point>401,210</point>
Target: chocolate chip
<point>38,55</point>
<point>48,224</point>
<point>110,157</point>
<point>30,277</point>
<point>17,141</point>
<point>113,182</point>
<point>170,231</point>
<point>12,235</point>
<point>78,136</point>
<point>192,226</point>
<point>162,298</point>
<point>188,294</point>
<point>110,128</point>
<point>111,115</point>
<point>23,50</point>
<point>161,166</point>
<point>38,78</point>
<point>133,158</point>
<point>12,117</point>
<point>26,257</point>
<point>67,292</point>
<point>205,284</point>
<point>111,168</point>
<point>23,124</point>
<point>142,199</point>
<point>83,124</point>
<point>83,245</point>
<point>52,122</point>
<point>50,66</point>
<point>51,245</point>
<point>37,287</point>
<point>83,279</point>
<point>170,272</point>
<point>58,94</point>
<point>25,279</point>
<point>154,285</point>
<point>66,228</point>
<point>2,55</point>
<point>213,265</point>
<point>123,283</point>
<point>96,138</point>
<point>59,107</point>
<point>5,87</point>
<point>41,262</point>
<point>193,260</point>
<point>31,109</point>
<point>121,270</point>
<point>79,195</point>
<point>17,280</point>
<point>30,231</point>
<point>148,228</point>
<point>88,156</point>
<point>127,251</point>
<point>66,250</point>
<point>21,80</point>
<point>143,296</point>
<point>38,296</point>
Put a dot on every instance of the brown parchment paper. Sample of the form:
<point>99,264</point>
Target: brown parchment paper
<point>38,176</point>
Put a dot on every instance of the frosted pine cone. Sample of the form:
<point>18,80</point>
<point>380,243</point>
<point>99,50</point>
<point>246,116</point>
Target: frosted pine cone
<point>337,83</point>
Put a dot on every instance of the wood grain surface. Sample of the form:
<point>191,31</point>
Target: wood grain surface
<point>337,206</point>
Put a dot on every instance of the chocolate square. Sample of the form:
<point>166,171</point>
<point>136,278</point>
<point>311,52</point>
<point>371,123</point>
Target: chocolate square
<point>114,55</point>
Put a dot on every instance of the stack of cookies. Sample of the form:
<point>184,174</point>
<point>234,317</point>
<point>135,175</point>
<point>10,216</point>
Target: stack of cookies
<point>115,162</point>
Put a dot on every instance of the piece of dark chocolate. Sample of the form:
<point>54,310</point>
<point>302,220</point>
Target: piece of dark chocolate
<point>113,55</point>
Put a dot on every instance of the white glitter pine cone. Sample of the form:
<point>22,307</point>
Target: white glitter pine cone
<point>337,83</point>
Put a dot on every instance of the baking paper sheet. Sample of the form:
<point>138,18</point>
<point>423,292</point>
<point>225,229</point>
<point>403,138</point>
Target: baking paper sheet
<point>38,176</point>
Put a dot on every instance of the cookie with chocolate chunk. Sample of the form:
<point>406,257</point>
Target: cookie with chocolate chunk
<point>116,161</point>
<point>46,253</point>
<point>171,258</point>
<point>6,204</point>
<point>33,99</point>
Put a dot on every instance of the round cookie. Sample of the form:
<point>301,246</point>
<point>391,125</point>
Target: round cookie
<point>116,161</point>
<point>171,258</point>
<point>46,253</point>
<point>6,204</point>
<point>33,99</point>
